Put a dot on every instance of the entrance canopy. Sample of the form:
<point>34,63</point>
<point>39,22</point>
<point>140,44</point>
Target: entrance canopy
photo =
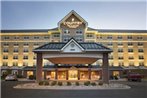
<point>72,52</point>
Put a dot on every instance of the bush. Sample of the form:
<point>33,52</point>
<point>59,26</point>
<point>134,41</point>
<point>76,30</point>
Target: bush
<point>87,83</point>
<point>68,83</point>
<point>46,83</point>
<point>93,84</point>
<point>41,83</point>
<point>77,84</point>
<point>100,83</point>
<point>60,83</point>
<point>20,76</point>
<point>32,77</point>
<point>53,83</point>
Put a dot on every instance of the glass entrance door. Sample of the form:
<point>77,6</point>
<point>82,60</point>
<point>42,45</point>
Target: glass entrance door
<point>73,75</point>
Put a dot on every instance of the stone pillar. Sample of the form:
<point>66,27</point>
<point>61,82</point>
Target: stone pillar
<point>105,69</point>
<point>89,72</point>
<point>78,74</point>
<point>45,72</point>
<point>56,71</point>
<point>66,74</point>
<point>39,67</point>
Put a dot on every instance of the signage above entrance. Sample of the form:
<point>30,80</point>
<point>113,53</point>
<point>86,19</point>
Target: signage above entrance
<point>73,23</point>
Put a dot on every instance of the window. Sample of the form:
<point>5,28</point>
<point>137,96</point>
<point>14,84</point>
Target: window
<point>119,37</point>
<point>119,43</point>
<point>15,50</point>
<point>25,50</point>
<point>56,35</point>
<point>6,37</point>
<point>121,63</point>
<point>110,44</point>
<point>26,37</point>
<point>109,37</point>
<point>141,64</point>
<point>110,57</point>
<point>5,57</point>
<point>34,57</point>
<point>130,44</point>
<point>131,64</point>
<point>36,37</point>
<point>130,50</point>
<point>26,44</point>
<point>15,64</point>
<point>25,64</point>
<point>140,44</point>
<point>78,31</point>
<point>120,50</point>
<point>5,63</point>
<point>16,44</point>
<point>141,57</point>
<point>120,57</point>
<point>129,37</point>
<point>66,31</point>
<point>140,50</point>
<point>36,44</point>
<point>46,37</point>
<point>5,50</point>
<point>139,38</point>
<point>25,57</point>
<point>15,57</point>
<point>16,37</point>
<point>90,35</point>
<point>131,57</point>
<point>6,44</point>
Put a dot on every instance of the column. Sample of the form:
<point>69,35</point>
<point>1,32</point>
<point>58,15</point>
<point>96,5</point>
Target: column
<point>105,69</point>
<point>45,72</point>
<point>39,67</point>
<point>78,74</point>
<point>89,72</point>
<point>66,74</point>
<point>56,71</point>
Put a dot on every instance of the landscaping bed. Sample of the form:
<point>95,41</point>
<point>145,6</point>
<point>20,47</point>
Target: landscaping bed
<point>71,85</point>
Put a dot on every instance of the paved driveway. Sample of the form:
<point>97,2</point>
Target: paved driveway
<point>138,90</point>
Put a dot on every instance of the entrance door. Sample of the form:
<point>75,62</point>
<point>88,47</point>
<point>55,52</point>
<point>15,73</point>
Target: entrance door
<point>73,75</point>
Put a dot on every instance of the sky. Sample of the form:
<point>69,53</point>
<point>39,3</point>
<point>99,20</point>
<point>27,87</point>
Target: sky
<point>45,14</point>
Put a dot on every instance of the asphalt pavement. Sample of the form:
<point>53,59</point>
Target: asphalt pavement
<point>138,90</point>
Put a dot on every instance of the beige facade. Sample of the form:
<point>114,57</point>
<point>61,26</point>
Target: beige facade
<point>129,46</point>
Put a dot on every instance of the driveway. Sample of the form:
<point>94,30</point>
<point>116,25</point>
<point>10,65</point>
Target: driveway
<point>138,90</point>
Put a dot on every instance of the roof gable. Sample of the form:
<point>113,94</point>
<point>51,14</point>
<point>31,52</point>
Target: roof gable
<point>72,46</point>
<point>70,14</point>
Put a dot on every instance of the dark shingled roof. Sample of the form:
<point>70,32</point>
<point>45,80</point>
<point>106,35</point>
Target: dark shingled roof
<point>85,45</point>
<point>29,30</point>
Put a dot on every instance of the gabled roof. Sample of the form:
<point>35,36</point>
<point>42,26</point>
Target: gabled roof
<point>74,41</point>
<point>69,14</point>
<point>86,46</point>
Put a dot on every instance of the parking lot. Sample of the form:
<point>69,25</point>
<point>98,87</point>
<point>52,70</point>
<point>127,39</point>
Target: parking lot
<point>138,90</point>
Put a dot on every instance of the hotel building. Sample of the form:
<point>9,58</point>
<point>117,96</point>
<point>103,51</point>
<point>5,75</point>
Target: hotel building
<point>70,50</point>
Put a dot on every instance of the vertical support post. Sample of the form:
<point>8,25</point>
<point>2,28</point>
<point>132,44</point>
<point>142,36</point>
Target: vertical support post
<point>56,71</point>
<point>45,72</point>
<point>39,67</point>
<point>105,69</point>
<point>78,74</point>
<point>89,72</point>
<point>66,74</point>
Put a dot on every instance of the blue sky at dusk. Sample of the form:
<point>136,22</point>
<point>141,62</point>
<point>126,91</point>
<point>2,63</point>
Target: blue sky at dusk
<point>98,14</point>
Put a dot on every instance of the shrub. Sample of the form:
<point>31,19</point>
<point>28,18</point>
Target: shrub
<point>41,83</point>
<point>68,83</point>
<point>19,76</point>
<point>77,84</point>
<point>93,84</point>
<point>31,77</point>
<point>60,83</point>
<point>53,83</point>
<point>100,83</point>
<point>46,83</point>
<point>87,83</point>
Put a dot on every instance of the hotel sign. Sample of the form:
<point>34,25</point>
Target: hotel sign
<point>72,24</point>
